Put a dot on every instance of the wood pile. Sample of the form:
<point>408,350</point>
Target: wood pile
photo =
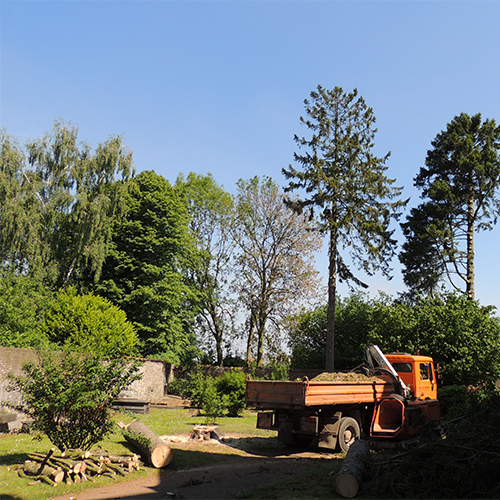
<point>75,466</point>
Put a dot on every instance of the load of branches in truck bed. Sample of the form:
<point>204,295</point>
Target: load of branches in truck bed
<point>343,377</point>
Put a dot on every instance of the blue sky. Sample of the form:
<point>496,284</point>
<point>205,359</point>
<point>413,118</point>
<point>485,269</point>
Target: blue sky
<point>218,86</point>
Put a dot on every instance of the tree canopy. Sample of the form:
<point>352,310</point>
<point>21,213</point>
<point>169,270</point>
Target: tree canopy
<point>459,186</point>
<point>458,333</point>
<point>58,199</point>
<point>274,269</point>
<point>345,182</point>
<point>211,211</point>
<point>146,272</point>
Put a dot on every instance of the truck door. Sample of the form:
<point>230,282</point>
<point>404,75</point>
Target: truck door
<point>426,383</point>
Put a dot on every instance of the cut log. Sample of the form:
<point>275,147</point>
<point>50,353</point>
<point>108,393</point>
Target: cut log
<point>34,469</point>
<point>150,446</point>
<point>58,476</point>
<point>348,480</point>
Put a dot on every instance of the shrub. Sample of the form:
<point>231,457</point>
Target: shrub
<point>280,371</point>
<point>214,403</point>
<point>178,387</point>
<point>215,397</point>
<point>454,401</point>
<point>232,389</point>
<point>69,395</point>
<point>89,323</point>
<point>204,395</point>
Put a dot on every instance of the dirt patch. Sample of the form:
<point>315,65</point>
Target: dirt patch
<point>240,464</point>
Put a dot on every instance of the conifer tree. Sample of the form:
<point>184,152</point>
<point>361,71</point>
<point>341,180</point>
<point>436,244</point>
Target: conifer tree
<point>343,184</point>
<point>459,184</point>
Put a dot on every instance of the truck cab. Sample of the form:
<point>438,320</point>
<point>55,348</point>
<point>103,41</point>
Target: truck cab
<point>417,372</point>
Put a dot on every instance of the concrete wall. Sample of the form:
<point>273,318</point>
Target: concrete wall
<point>150,388</point>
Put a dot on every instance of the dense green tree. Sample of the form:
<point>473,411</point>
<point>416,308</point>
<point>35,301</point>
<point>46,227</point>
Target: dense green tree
<point>23,301</point>
<point>211,213</point>
<point>459,184</point>
<point>458,333</point>
<point>58,200</point>
<point>147,269</point>
<point>88,323</point>
<point>341,177</point>
<point>274,270</point>
<point>353,323</point>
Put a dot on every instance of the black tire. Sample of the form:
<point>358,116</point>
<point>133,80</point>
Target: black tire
<point>401,398</point>
<point>349,431</point>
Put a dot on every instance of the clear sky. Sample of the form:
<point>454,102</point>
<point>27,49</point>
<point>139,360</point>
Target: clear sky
<point>218,86</point>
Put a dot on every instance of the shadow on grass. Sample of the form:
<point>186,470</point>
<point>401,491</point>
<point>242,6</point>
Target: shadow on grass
<point>213,471</point>
<point>13,459</point>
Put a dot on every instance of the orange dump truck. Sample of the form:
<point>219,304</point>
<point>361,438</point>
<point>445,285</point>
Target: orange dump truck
<point>393,403</point>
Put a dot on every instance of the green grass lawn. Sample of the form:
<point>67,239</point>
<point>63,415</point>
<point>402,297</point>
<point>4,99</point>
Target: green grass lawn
<point>14,449</point>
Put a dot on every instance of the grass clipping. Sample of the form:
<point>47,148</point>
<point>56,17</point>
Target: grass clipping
<point>343,377</point>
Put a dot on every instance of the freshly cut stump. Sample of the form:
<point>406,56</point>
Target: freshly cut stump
<point>203,432</point>
<point>348,480</point>
<point>150,446</point>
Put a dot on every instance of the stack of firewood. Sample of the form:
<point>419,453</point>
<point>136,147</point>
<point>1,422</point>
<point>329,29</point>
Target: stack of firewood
<point>75,466</point>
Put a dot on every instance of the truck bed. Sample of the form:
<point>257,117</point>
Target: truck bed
<point>271,394</point>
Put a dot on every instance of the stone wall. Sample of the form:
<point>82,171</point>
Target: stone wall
<point>150,388</point>
<point>258,373</point>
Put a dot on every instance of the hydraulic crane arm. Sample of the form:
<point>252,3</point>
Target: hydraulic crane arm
<point>378,362</point>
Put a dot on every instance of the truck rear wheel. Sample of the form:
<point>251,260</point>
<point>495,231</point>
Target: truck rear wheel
<point>348,433</point>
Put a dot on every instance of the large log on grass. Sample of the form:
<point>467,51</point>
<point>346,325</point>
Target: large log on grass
<point>348,480</point>
<point>150,446</point>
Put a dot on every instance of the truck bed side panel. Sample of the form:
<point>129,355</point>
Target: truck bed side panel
<point>332,393</point>
<point>272,394</point>
<point>268,394</point>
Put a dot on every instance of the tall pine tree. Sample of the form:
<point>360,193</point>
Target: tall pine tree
<point>459,184</point>
<point>341,178</point>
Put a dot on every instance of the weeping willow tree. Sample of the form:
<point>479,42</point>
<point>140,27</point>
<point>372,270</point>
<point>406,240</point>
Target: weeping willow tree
<point>58,199</point>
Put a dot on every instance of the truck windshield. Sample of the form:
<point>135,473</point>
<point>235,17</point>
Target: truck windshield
<point>403,367</point>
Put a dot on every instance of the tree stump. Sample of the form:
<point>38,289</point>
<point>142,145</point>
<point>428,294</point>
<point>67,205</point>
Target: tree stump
<point>348,480</point>
<point>150,446</point>
<point>204,432</point>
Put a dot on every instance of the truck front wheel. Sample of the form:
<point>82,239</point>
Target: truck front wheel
<point>348,433</point>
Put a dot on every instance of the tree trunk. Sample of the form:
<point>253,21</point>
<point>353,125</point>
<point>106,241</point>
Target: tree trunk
<point>470,251</point>
<point>348,480</point>
<point>250,337</point>
<point>332,293</point>
<point>150,446</point>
